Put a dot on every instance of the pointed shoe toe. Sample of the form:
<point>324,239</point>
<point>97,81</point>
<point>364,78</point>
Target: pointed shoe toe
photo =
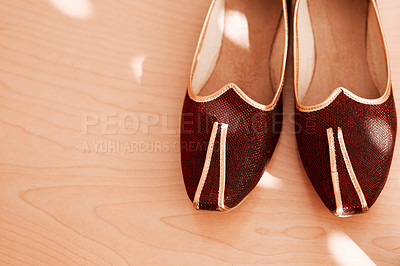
<point>225,146</point>
<point>348,157</point>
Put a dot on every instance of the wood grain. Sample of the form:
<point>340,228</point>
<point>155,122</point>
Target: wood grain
<point>78,80</point>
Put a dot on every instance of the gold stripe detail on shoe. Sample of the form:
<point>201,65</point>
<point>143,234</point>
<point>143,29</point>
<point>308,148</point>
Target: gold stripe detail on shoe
<point>206,167</point>
<point>222,168</point>
<point>334,173</point>
<point>351,171</point>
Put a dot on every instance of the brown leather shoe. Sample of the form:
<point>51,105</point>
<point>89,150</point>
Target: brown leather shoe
<point>345,112</point>
<point>232,114</point>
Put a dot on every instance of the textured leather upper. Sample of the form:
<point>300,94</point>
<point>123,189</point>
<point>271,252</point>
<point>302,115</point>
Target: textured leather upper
<point>251,139</point>
<point>369,132</point>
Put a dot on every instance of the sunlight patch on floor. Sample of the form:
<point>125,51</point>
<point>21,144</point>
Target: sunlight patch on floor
<point>137,67</point>
<point>346,251</point>
<point>270,181</point>
<point>80,9</point>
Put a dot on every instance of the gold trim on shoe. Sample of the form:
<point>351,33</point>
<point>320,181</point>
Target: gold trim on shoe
<point>233,86</point>
<point>350,170</point>
<point>335,175</point>
<point>222,168</point>
<point>335,93</point>
<point>206,167</point>
<point>222,164</point>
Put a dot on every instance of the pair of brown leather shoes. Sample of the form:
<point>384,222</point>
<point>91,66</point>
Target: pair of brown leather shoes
<point>345,112</point>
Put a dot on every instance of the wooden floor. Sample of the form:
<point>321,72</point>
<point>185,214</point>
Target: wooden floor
<point>91,93</point>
